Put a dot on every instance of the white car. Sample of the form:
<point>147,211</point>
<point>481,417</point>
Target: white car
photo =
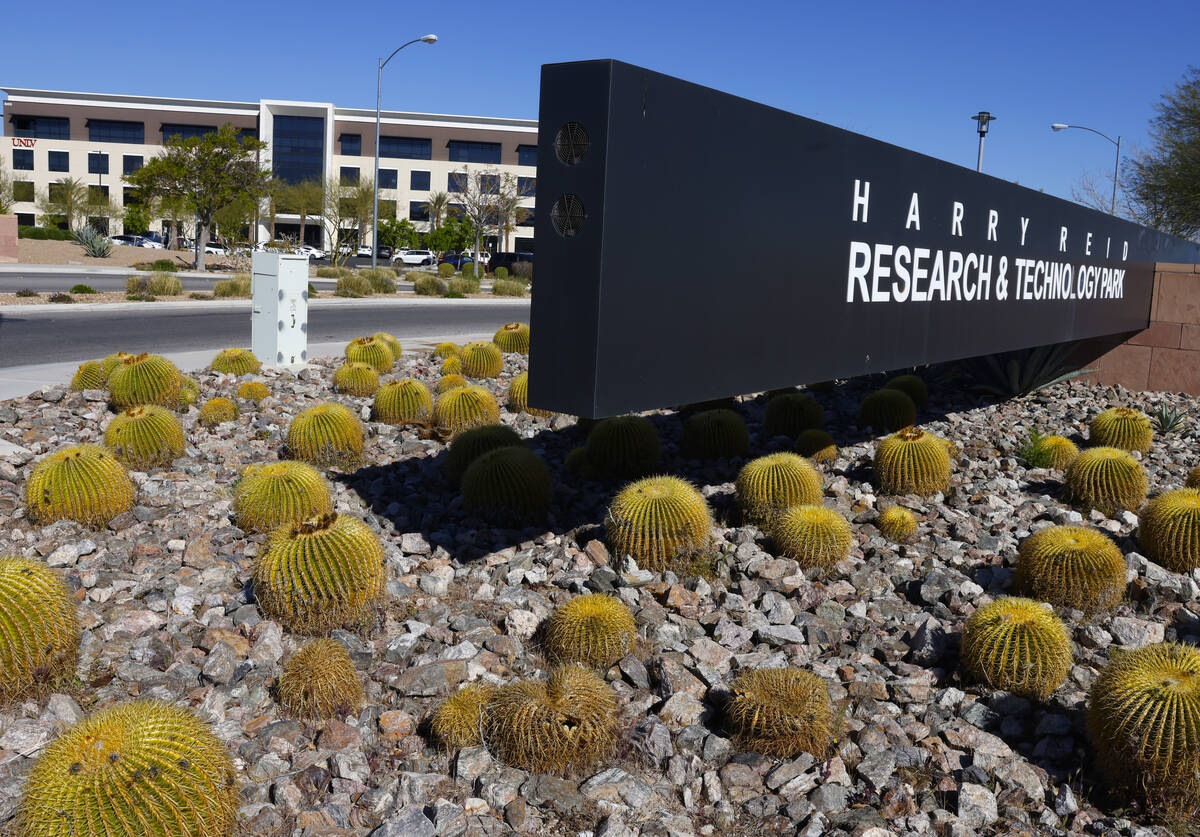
<point>215,250</point>
<point>312,252</point>
<point>483,259</point>
<point>414,257</point>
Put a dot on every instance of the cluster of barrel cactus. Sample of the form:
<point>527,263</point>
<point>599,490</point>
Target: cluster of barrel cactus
<point>1071,566</point>
<point>144,379</point>
<point>770,484</point>
<point>84,483</point>
<point>236,362</point>
<point>320,681</point>
<point>326,435</point>
<point>406,401</point>
<point>659,521</point>
<point>512,337</point>
<point>594,629</point>
<point>458,720</point>
<point>269,496</point>
<point>219,410</point>
<point>1017,645</point>
<point>358,379</point>
<point>372,351</point>
<point>145,437</point>
<point>912,462</point>
<point>481,360</point>
<point>464,407</point>
<point>781,712</point>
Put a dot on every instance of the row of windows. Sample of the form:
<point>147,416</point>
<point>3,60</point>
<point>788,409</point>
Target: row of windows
<point>41,127</point>
<point>61,161</point>
<point>109,130</point>
<point>490,184</point>
<point>417,180</point>
<point>415,148</point>
<point>419,211</point>
<point>23,190</point>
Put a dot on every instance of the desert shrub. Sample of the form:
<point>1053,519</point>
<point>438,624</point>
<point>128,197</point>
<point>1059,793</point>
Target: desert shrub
<point>83,289</point>
<point>462,287</point>
<point>501,273</point>
<point>523,271</point>
<point>95,243</point>
<point>503,287</point>
<point>382,280</point>
<point>453,294</point>
<point>238,286</point>
<point>163,265</point>
<point>429,286</point>
<point>198,295</point>
<point>445,269</point>
<point>154,284</point>
<point>354,285</point>
<point>26,292</point>
<point>327,272</point>
<point>61,298</point>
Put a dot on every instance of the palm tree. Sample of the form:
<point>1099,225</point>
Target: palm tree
<point>304,199</point>
<point>67,200</point>
<point>437,204</point>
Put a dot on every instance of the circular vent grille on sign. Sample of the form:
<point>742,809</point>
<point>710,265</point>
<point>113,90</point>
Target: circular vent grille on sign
<point>567,215</point>
<point>571,143</point>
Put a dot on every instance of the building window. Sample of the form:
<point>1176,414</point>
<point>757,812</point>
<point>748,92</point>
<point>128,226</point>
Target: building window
<point>387,209</point>
<point>456,181</point>
<point>110,130</point>
<point>418,211</point>
<point>23,190</point>
<point>247,133</point>
<point>42,127</point>
<point>59,161</point>
<point>131,163</point>
<point>524,216</point>
<point>387,179</point>
<point>349,176</point>
<point>526,155</point>
<point>351,144</point>
<point>462,151</point>
<point>455,209</point>
<point>97,163</point>
<point>527,186</point>
<point>97,194</point>
<point>489,184</point>
<point>418,181</point>
<point>25,219</point>
<point>22,159</point>
<point>299,152</point>
<point>172,130</point>
<point>410,148</point>
<point>131,197</point>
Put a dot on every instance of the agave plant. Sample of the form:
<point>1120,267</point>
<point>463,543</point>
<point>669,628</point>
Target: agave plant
<point>95,243</point>
<point>1168,419</point>
<point>1020,372</point>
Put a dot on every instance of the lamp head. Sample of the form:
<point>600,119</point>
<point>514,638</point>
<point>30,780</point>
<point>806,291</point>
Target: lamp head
<point>429,39</point>
<point>1059,126</point>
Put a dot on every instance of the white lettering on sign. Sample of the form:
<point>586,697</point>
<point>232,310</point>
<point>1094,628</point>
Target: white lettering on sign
<point>993,220</point>
<point>956,220</point>
<point>914,214</point>
<point>1024,227</point>
<point>862,196</point>
<point>1062,239</point>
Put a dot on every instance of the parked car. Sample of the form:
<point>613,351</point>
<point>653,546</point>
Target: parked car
<point>456,259</point>
<point>311,252</point>
<point>128,240</point>
<point>484,258</point>
<point>414,258</point>
<point>507,260</point>
<point>215,248</point>
<point>151,243</point>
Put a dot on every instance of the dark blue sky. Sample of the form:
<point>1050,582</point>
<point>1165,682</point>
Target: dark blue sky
<point>911,73</point>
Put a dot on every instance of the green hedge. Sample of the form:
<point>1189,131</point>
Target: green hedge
<point>503,287</point>
<point>354,285</point>
<point>429,286</point>
<point>237,287</point>
<point>445,269</point>
<point>43,233</point>
<point>154,284</point>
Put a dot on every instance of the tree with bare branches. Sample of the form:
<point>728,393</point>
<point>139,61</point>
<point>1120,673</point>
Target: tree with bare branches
<point>484,195</point>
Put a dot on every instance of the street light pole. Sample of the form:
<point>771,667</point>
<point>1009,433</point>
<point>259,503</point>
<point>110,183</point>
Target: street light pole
<point>1062,126</point>
<point>428,39</point>
<point>983,118</point>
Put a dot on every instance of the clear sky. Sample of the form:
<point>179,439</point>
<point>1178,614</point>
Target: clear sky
<point>911,73</point>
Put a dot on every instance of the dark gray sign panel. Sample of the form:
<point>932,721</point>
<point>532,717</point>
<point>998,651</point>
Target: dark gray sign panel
<point>693,245</point>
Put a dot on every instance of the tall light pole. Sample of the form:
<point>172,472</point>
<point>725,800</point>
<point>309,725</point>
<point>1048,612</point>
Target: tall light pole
<point>427,39</point>
<point>1062,126</point>
<point>983,118</point>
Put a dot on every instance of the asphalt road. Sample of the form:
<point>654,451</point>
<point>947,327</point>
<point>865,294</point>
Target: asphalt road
<point>72,335</point>
<point>10,282</point>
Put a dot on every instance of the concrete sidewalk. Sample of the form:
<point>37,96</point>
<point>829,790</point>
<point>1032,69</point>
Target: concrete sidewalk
<point>102,271</point>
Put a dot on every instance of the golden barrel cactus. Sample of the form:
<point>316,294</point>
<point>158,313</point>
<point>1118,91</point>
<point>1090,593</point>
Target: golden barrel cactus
<point>510,484</point>
<point>593,629</point>
<point>781,712</point>
<point>391,342</point>
<point>623,447</point>
<point>236,362</point>
<point>84,483</point>
<point>817,445</point>
<point>816,537</point>
<point>216,411</point>
<point>482,360</point>
<point>266,497</point>
<point>358,379</point>
<point>1107,479</point>
<point>89,375</point>
<point>471,444</point>
<point>462,408</point>
<point>660,521</point>
<point>512,337</point>
<point>1057,451</point>
<point>451,366</point>
<point>254,391</point>
<point>112,362</point>
<point>1071,566</point>
<point>714,434</point>
<point>566,721</point>
<point>145,437</point>
<point>1193,478</point>
<point>324,573</point>
<point>449,382</point>
<point>791,413</point>
<point>189,392</point>
<point>912,462</point>
<point>368,350</point>
<point>458,720</point>
<point>1169,529</point>
<point>39,628</point>
<point>772,483</point>
<point>319,681</point>
<point>144,379</point>
<point>1122,427</point>
<point>406,401</point>
<point>887,410</point>
<point>142,767</point>
<point>326,435</point>
<point>912,386</point>
<point>896,523</point>
<point>1017,645</point>
<point>444,350</point>
<point>518,397</point>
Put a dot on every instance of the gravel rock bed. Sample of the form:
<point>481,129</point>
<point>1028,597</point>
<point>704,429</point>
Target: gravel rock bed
<point>168,612</point>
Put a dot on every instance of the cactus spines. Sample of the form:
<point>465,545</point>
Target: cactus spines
<point>449,382</point>
<point>1142,718</point>
<point>513,337</point>
<point>772,483</point>
<point>471,444</point>
<point>518,397</point>
<point>896,523</point>
<point>781,712</point>
<point>266,497</point>
<point>508,484</point>
<point>659,521</point>
<point>326,435</point>
<point>816,537</point>
<point>141,767</point>
<point>1122,427</point>
<point>817,445</point>
<point>791,413</point>
<point>594,629</point>
<point>406,401</point>
<point>319,681</point>
<point>451,366</point>
<point>714,434</point>
<point>576,462</point>
<point>254,391</point>
<point>445,350</point>
<point>1071,566</point>
<point>324,573</point>
<point>458,720</point>
<point>912,386</point>
<point>1169,529</point>
<point>189,392</point>
<point>1193,478</point>
<point>216,411</point>
<point>912,462</point>
<point>1058,450</point>
<point>1108,479</point>
<point>888,410</point>
<point>391,342</point>
<point>462,408</point>
<point>358,379</point>
<point>89,375</point>
<point>236,362</point>
<point>623,447</point>
<point>85,483</point>
<point>568,720</point>
<point>145,437</point>
<point>39,628</point>
<point>482,360</point>
<point>144,379</point>
<point>112,361</point>
<point>1017,645</point>
<point>370,351</point>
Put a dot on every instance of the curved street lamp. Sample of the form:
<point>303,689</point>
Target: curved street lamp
<point>1062,126</point>
<point>426,39</point>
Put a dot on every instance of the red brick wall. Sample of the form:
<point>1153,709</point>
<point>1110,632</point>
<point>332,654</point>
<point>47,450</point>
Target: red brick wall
<point>8,239</point>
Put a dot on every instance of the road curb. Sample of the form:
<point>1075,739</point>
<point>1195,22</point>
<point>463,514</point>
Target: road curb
<point>102,271</point>
<point>239,304</point>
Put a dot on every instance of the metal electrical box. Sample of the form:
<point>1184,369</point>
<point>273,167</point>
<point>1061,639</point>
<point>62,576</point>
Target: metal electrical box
<point>279,315</point>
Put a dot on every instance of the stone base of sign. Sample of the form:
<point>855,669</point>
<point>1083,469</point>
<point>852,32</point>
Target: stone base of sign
<point>1166,356</point>
<point>8,239</point>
